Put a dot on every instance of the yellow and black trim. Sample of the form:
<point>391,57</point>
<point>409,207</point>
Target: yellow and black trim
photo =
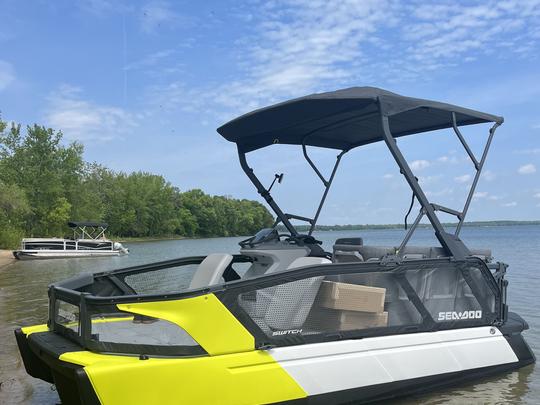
<point>41,351</point>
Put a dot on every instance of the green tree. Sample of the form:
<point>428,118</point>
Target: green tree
<point>44,183</point>
<point>13,211</point>
<point>47,171</point>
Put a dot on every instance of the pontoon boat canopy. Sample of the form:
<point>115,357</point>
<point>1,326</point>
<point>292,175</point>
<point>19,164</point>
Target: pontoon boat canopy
<point>344,119</point>
<point>87,223</point>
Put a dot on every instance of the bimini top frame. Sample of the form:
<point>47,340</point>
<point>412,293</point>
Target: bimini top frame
<point>353,117</point>
<point>90,230</point>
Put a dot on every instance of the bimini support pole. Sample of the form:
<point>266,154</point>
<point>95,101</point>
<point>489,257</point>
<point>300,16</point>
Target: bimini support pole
<point>264,193</point>
<point>449,242</point>
<point>478,165</point>
<point>327,183</point>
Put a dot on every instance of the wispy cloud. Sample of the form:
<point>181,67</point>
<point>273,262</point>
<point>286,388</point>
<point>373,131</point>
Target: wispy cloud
<point>444,192</point>
<point>532,151</point>
<point>510,204</point>
<point>419,164</point>
<point>302,46</point>
<point>7,74</point>
<point>488,175</point>
<point>80,119</point>
<point>480,194</point>
<point>463,179</point>
<point>440,33</point>
<point>527,169</point>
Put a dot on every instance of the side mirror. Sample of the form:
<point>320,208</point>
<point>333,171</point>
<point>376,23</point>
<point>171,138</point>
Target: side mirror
<point>278,177</point>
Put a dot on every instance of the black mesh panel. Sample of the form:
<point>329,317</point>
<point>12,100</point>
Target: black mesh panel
<point>355,300</point>
<point>166,280</point>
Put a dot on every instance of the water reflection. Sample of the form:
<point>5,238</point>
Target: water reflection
<point>510,388</point>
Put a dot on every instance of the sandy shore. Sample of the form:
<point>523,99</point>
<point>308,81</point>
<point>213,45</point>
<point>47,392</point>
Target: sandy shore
<point>6,257</point>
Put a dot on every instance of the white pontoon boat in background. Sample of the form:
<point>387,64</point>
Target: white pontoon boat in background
<point>88,241</point>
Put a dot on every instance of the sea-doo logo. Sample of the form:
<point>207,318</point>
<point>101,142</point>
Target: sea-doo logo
<point>287,332</point>
<point>450,316</point>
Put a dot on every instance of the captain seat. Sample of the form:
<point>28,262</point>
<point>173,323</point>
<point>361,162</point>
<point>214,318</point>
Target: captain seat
<point>211,270</point>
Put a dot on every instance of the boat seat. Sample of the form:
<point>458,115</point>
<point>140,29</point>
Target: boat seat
<point>414,256</point>
<point>376,252</point>
<point>290,303</point>
<point>211,270</point>
<point>285,306</point>
<point>344,253</point>
<point>346,250</point>
<point>446,290</point>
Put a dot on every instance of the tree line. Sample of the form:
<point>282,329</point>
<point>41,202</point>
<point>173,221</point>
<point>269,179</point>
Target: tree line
<point>44,183</point>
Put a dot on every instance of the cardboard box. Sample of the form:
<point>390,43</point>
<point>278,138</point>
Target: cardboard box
<point>349,320</point>
<point>330,320</point>
<point>351,297</point>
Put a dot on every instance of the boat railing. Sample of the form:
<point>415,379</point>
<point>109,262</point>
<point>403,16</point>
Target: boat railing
<point>68,244</point>
<point>89,308</point>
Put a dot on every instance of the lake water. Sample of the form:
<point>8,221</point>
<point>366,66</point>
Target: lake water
<point>23,302</point>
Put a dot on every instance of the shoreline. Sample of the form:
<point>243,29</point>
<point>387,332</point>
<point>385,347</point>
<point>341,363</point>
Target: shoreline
<point>6,258</point>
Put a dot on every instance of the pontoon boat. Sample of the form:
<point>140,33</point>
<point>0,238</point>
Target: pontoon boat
<point>88,241</point>
<point>300,325</point>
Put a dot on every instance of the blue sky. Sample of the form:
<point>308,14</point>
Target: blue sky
<point>143,85</point>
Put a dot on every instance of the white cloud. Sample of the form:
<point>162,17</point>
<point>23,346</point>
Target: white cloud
<point>463,179</point>
<point>537,195</point>
<point>426,180</point>
<point>536,126</point>
<point>295,47</point>
<point>388,176</point>
<point>444,192</point>
<point>488,175</point>
<point>80,119</point>
<point>532,151</point>
<point>480,194</point>
<point>448,159</point>
<point>494,198</point>
<point>439,33</point>
<point>7,74</point>
<point>510,204</point>
<point>419,164</point>
<point>527,169</point>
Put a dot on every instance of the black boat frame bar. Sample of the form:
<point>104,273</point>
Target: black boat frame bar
<point>450,242</point>
<point>284,217</point>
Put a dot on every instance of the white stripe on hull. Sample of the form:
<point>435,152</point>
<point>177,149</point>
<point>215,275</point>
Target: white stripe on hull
<point>334,366</point>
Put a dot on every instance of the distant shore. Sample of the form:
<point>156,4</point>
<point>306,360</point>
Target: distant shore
<point>303,228</point>
<point>6,257</point>
<point>146,238</point>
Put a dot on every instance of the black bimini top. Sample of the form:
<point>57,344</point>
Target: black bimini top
<point>74,224</point>
<point>344,119</point>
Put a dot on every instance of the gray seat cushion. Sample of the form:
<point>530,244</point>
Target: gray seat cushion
<point>211,270</point>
